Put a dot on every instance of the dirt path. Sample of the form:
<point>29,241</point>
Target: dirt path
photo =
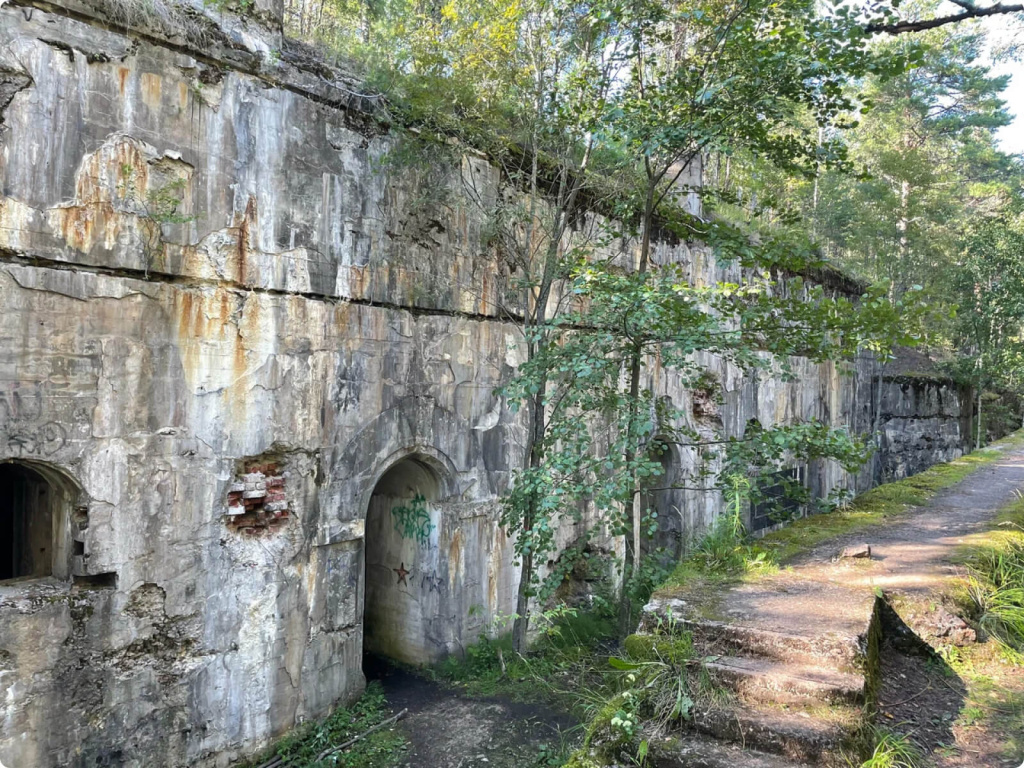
<point>816,617</point>
<point>914,555</point>
<point>446,730</point>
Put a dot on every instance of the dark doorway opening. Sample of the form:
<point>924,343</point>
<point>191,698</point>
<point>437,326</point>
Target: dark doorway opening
<point>400,542</point>
<point>27,502</point>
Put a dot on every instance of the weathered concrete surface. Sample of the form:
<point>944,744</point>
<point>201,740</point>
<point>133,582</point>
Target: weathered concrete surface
<point>210,280</point>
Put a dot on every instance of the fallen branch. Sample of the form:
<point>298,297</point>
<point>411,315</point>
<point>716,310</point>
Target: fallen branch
<point>350,742</point>
<point>279,762</point>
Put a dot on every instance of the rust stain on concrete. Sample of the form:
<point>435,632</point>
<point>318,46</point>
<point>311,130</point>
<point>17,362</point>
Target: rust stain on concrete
<point>454,558</point>
<point>152,86</point>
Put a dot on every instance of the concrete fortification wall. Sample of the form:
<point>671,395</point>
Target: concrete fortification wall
<point>247,377</point>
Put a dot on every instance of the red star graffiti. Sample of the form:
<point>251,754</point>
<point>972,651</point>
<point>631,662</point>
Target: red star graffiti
<point>402,573</point>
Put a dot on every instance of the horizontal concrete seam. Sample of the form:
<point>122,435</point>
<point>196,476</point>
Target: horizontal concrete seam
<point>187,281</point>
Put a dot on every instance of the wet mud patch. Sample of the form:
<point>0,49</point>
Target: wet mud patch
<point>446,730</point>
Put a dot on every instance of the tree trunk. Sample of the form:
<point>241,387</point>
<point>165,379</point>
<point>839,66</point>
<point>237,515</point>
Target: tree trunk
<point>635,366</point>
<point>522,621</point>
<point>977,442</point>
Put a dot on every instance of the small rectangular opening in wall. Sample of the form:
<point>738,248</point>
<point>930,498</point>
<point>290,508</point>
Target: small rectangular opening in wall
<point>775,505</point>
<point>96,581</point>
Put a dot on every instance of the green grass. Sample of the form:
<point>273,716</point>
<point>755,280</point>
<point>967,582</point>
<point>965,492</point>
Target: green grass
<point>572,643</point>
<point>893,751</point>
<point>384,748</point>
<point>993,592</point>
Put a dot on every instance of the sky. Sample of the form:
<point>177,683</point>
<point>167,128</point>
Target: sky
<point>1011,138</point>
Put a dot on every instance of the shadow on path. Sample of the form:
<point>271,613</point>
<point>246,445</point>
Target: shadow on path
<point>447,730</point>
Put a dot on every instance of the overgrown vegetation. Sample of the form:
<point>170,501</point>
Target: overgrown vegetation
<point>649,681</point>
<point>383,748</point>
<point>641,112</point>
<point>893,750</point>
<point>994,588</point>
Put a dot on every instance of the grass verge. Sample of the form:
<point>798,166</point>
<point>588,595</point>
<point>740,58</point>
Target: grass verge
<point>993,591</point>
<point>893,750</point>
<point>384,748</point>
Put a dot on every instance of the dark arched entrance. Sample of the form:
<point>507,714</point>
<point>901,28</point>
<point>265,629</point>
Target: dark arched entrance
<point>665,499</point>
<point>35,515</point>
<point>404,580</point>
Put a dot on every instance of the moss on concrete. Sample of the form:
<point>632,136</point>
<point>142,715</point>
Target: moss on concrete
<point>674,649</point>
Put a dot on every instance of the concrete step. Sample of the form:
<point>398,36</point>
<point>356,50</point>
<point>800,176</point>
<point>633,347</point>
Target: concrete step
<point>796,735</point>
<point>830,650</point>
<point>695,751</point>
<point>781,682</point>
<point>780,617</point>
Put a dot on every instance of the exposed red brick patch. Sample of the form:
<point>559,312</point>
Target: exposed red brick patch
<point>257,501</point>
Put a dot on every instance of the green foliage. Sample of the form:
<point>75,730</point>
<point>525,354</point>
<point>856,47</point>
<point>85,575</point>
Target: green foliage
<point>607,106</point>
<point>658,682</point>
<point>995,583</point>
<point>934,206</point>
<point>893,750</point>
<point>989,285</point>
<point>559,663</point>
<point>163,203</point>
<point>384,748</point>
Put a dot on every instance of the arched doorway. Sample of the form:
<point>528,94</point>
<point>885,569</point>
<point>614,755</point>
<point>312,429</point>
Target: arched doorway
<point>35,518</point>
<point>405,580</point>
